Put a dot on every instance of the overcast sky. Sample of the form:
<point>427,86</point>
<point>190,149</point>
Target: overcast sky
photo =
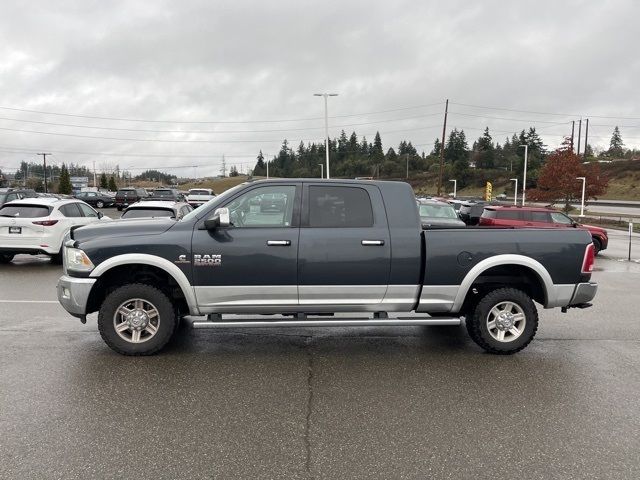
<point>259,62</point>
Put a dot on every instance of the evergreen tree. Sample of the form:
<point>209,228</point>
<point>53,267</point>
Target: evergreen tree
<point>112,184</point>
<point>65,187</point>
<point>436,147</point>
<point>457,148</point>
<point>484,152</point>
<point>260,169</point>
<point>233,172</point>
<point>616,146</point>
<point>103,181</point>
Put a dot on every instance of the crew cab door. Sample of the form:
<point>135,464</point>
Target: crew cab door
<point>252,263</point>
<point>345,253</point>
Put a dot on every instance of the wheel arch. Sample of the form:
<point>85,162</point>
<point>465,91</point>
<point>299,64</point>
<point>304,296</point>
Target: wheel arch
<point>515,267</point>
<point>162,272</point>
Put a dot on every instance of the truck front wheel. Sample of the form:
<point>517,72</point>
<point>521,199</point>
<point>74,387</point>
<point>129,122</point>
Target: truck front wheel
<point>137,319</point>
<point>504,321</point>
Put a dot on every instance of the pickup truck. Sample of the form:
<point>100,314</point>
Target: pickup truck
<point>338,253</point>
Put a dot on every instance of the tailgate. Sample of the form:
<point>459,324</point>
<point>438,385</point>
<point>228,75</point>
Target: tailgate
<point>15,231</point>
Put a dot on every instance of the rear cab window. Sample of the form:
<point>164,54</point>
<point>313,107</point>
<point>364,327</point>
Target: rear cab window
<point>339,207</point>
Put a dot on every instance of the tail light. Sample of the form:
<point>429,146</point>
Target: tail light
<point>45,223</point>
<point>589,259</point>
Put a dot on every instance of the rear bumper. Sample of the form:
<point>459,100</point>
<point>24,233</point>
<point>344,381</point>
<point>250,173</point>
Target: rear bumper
<point>73,294</point>
<point>584,293</point>
<point>28,248</point>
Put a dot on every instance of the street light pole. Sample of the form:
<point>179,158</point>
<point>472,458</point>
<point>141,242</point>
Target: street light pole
<point>267,168</point>
<point>584,183</point>
<point>321,170</point>
<point>326,124</point>
<point>407,156</point>
<point>524,180</point>
<point>455,187</point>
<point>515,192</point>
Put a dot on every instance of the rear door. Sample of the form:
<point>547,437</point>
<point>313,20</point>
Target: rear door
<point>345,252</point>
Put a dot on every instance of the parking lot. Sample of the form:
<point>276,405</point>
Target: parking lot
<point>410,402</point>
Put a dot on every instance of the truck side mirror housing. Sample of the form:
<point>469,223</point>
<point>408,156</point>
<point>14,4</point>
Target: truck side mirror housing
<point>220,219</point>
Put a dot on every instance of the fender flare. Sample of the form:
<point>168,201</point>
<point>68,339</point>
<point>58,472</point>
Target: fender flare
<point>507,259</point>
<point>155,261</point>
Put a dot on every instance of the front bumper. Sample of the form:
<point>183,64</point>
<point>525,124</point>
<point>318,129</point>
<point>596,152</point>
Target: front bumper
<point>584,293</point>
<point>73,294</point>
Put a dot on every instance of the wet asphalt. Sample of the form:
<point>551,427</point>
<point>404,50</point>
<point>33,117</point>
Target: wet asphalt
<point>408,402</point>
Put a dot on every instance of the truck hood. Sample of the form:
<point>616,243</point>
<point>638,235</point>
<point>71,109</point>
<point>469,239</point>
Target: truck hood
<point>123,228</point>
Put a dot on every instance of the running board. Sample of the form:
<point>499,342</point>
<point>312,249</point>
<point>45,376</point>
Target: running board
<point>340,322</point>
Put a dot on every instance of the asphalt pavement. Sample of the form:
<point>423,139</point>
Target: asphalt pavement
<point>407,402</point>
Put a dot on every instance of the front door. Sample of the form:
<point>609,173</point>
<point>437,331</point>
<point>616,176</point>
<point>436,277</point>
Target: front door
<point>251,264</point>
<point>345,251</point>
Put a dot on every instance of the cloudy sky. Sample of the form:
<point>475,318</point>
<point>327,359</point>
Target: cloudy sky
<point>168,84</point>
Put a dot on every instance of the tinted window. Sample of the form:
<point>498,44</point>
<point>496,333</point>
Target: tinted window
<point>24,211</point>
<point>87,210</point>
<point>263,207</point>
<point>558,217</point>
<point>147,212</point>
<point>71,210</point>
<point>509,215</point>
<point>339,207</point>
<point>540,217</point>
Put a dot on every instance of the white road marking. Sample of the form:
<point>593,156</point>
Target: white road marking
<point>29,301</point>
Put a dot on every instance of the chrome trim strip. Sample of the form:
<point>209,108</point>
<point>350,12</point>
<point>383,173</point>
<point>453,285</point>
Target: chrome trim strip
<point>166,265</point>
<point>246,295</point>
<point>437,298</point>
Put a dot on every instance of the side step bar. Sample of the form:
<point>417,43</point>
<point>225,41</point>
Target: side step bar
<point>338,322</point>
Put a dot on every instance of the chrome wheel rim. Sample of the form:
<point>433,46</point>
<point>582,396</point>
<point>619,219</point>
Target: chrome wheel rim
<point>506,321</point>
<point>136,320</point>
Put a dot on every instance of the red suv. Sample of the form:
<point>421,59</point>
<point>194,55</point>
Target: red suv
<point>537,217</point>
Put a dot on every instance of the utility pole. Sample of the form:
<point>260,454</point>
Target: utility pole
<point>444,130</point>
<point>44,161</point>
<point>95,184</point>
<point>586,138</point>
<point>524,180</point>
<point>326,125</point>
<point>224,167</point>
<point>573,127</point>
<point>579,135</point>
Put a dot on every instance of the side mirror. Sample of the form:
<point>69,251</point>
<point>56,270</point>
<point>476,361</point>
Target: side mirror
<point>100,214</point>
<point>220,219</point>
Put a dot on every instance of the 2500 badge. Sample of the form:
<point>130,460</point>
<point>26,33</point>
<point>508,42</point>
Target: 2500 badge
<point>202,260</point>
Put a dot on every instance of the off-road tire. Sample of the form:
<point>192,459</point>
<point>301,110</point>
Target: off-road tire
<point>6,258</point>
<point>167,314</point>
<point>477,321</point>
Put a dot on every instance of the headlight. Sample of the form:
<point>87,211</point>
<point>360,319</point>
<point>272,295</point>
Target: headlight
<point>76,259</point>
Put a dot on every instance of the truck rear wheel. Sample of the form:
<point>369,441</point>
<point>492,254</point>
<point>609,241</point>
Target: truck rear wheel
<point>137,319</point>
<point>504,321</point>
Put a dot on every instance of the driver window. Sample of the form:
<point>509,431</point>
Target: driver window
<point>263,207</point>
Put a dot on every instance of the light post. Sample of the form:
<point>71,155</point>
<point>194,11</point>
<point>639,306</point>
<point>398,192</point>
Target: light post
<point>584,183</point>
<point>455,187</point>
<point>321,170</point>
<point>267,168</point>
<point>407,156</point>
<point>515,191</point>
<point>326,124</point>
<point>524,180</point>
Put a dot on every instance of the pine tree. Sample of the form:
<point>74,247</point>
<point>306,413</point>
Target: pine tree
<point>616,146</point>
<point>233,171</point>
<point>112,184</point>
<point>103,181</point>
<point>65,187</point>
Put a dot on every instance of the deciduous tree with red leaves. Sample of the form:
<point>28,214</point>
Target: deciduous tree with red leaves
<point>558,179</point>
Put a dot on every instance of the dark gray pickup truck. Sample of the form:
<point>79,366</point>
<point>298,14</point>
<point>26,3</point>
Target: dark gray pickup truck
<point>281,253</point>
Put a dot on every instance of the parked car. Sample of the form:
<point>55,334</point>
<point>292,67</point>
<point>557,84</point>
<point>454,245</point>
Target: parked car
<point>96,199</point>
<point>11,194</point>
<point>128,196</point>
<point>539,217</point>
<point>339,246</point>
<point>199,196</point>
<point>172,194</point>
<point>157,209</point>
<point>38,225</point>
<point>471,211</point>
<point>434,214</point>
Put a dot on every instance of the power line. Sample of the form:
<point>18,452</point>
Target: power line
<point>542,113</point>
<point>215,122</point>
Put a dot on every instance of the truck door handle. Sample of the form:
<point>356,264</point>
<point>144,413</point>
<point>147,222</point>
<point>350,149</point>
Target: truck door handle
<point>279,243</point>
<point>372,242</point>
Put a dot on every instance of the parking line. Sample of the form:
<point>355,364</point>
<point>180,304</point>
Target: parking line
<point>29,301</point>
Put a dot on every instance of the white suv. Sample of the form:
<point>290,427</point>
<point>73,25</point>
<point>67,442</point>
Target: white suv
<point>38,225</point>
